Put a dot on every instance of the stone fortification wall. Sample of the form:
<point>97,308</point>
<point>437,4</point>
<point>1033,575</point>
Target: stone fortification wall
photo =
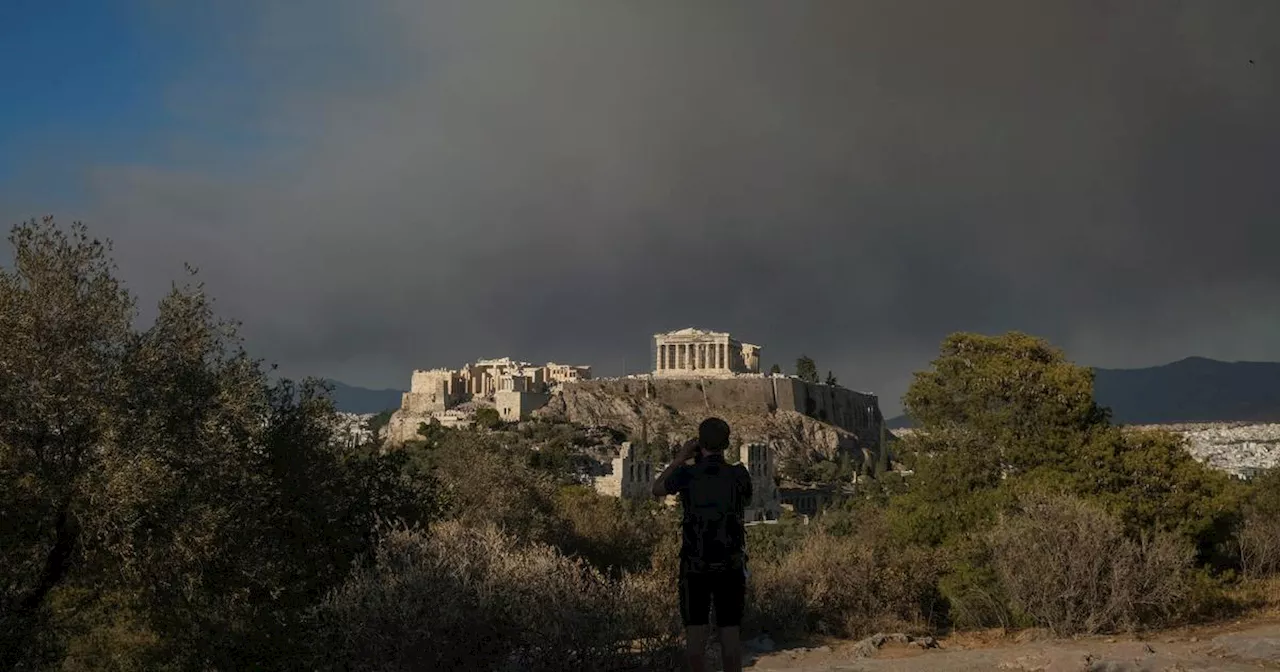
<point>857,412</point>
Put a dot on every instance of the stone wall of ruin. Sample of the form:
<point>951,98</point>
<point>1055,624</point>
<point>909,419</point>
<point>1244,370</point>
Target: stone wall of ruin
<point>629,477</point>
<point>759,460</point>
<point>844,408</point>
<point>514,406</point>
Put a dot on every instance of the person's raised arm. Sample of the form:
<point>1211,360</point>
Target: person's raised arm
<point>686,453</point>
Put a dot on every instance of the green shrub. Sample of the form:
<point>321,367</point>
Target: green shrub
<point>972,588</point>
<point>488,418</point>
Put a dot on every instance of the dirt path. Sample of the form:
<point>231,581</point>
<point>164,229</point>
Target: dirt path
<point>1253,645</point>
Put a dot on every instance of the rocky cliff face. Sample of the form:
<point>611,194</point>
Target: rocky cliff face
<point>639,409</point>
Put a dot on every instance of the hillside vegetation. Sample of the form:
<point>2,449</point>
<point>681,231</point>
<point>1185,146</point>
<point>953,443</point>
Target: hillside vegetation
<point>166,506</point>
<point>1191,390</point>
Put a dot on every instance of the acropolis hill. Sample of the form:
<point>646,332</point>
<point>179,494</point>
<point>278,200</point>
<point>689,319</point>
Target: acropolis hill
<point>695,373</point>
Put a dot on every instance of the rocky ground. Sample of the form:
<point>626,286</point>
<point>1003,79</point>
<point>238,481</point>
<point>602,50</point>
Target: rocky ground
<point>1246,645</point>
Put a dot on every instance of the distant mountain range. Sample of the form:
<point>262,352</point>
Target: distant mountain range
<point>1194,389</point>
<point>351,399</point>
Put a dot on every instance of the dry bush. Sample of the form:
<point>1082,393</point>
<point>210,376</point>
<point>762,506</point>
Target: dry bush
<point>1258,539</point>
<point>456,597</point>
<point>1069,567</point>
<point>485,485</point>
<point>612,534</point>
<point>845,586</point>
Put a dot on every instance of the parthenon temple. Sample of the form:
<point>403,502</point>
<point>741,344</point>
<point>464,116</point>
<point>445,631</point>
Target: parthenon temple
<point>703,353</point>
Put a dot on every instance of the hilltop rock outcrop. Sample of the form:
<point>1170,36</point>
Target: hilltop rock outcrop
<point>671,410</point>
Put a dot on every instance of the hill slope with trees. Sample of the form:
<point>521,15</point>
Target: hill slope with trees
<point>1195,389</point>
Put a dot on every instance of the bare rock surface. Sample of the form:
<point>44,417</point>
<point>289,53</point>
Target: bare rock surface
<point>1250,646</point>
<point>626,406</point>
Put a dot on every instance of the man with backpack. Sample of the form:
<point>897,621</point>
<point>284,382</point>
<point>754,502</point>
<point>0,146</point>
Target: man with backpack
<point>713,549</point>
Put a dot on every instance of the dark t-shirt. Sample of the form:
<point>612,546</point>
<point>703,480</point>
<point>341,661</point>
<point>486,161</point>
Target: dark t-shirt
<point>713,495</point>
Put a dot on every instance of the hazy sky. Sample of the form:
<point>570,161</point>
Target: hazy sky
<point>377,186</point>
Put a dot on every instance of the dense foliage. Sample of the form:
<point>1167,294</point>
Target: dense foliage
<point>806,370</point>
<point>165,505</point>
<point>163,502</point>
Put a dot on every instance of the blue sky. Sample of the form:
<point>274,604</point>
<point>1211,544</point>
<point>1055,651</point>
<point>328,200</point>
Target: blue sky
<point>89,83</point>
<point>82,79</point>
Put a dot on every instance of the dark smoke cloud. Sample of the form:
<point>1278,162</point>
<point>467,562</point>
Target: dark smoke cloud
<point>425,184</point>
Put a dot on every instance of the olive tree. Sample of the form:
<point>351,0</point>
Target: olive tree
<point>157,478</point>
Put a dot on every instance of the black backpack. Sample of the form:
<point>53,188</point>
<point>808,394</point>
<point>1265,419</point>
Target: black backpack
<point>714,537</point>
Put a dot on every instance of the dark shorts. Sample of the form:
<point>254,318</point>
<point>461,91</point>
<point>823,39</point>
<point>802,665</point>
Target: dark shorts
<point>699,590</point>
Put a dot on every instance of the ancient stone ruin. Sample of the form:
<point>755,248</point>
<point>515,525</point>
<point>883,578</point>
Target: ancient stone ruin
<point>694,352</point>
<point>631,477</point>
<point>760,460</point>
<point>514,388</point>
